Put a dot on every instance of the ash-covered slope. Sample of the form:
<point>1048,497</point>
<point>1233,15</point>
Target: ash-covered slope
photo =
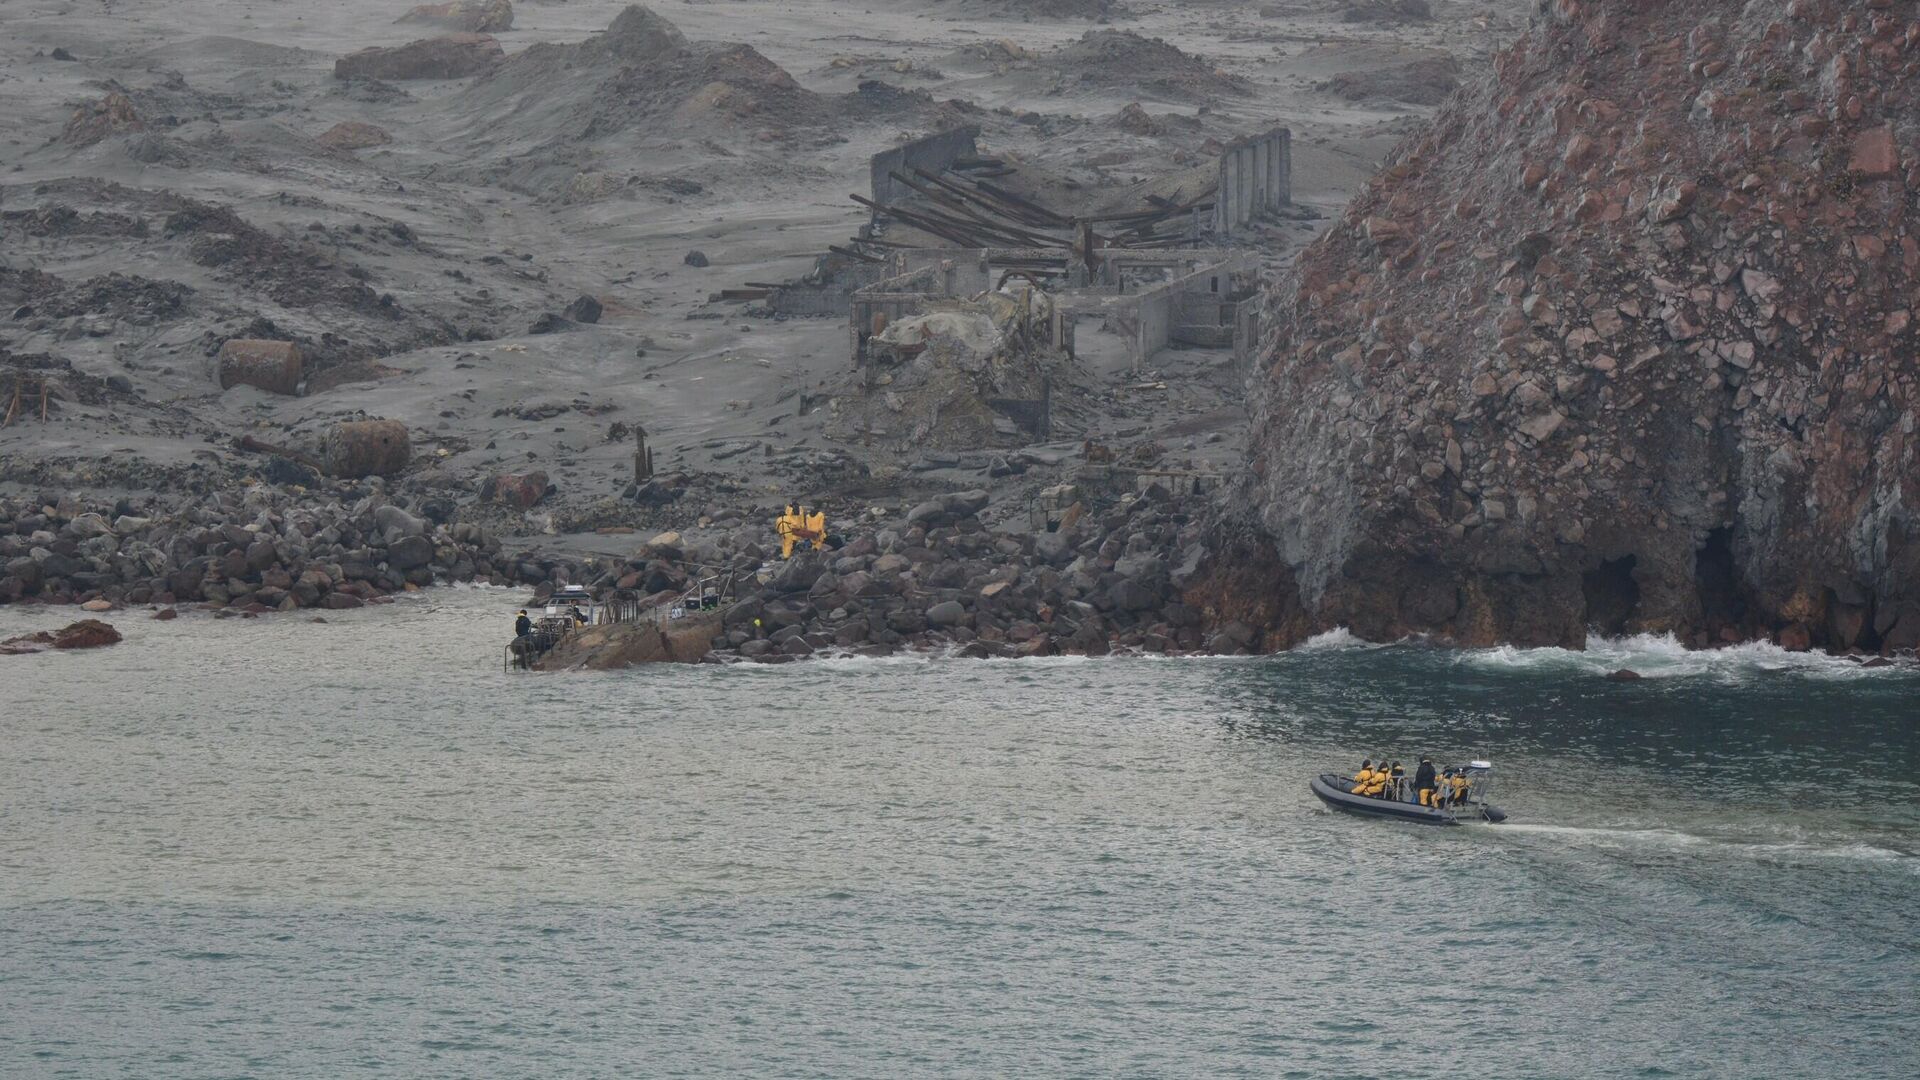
<point>1623,338</point>
<point>641,87</point>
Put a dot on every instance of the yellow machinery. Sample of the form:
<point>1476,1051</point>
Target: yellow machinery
<point>796,526</point>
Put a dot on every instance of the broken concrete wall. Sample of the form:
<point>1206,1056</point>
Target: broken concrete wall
<point>924,276</point>
<point>935,153</point>
<point>1193,307</point>
<point>1256,180</point>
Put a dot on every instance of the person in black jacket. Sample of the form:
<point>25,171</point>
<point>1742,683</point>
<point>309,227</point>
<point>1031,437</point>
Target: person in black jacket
<point>1423,781</point>
<point>522,626</point>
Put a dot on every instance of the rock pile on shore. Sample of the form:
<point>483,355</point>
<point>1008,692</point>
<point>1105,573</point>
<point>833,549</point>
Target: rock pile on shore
<point>257,551</point>
<point>935,576</point>
<point>940,578</point>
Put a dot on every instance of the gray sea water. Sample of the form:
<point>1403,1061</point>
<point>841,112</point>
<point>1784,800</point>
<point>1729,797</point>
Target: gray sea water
<point>274,848</point>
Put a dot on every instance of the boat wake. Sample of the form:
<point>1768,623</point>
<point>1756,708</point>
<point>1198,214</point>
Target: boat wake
<point>1758,848</point>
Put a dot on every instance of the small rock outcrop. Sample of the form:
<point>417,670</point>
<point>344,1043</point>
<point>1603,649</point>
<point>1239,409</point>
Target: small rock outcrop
<point>1624,339</point>
<point>467,16</point>
<point>518,490</point>
<point>354,135</point>
<point>455,56</point>
<point>111,115</point>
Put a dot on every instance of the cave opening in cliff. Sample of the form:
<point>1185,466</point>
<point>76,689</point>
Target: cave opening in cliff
<point>1716,578</point>
<point>1612,596</point>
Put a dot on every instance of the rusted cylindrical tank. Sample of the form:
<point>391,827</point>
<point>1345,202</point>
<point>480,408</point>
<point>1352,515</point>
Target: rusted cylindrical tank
<point>356,448</point>
<point>273,366</point>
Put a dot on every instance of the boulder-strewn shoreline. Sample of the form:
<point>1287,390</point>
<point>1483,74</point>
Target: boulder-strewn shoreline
<point>257,550</point>
<point>1151,573</point>
<point>930,577</point>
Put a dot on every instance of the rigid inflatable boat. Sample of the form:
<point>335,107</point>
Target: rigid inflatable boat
<point>1337,791</point>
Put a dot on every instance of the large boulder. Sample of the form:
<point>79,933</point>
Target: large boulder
<point>1624,336</point>
<point>410,552</point>
<point>518,490</point>
<point>111,115</point>
<point>455,56</point>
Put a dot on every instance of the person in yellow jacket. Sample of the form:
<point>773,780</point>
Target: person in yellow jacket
<point>1375,783</point>
<point>1364,778</point>
<point>1457,786</point>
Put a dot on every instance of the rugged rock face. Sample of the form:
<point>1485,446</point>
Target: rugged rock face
<point>1623,338</point>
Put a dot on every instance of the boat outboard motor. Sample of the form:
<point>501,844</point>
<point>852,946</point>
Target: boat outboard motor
<point>1480,780</point>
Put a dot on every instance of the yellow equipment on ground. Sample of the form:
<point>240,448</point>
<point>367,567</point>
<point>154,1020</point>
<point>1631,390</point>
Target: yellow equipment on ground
<point>797,526</point>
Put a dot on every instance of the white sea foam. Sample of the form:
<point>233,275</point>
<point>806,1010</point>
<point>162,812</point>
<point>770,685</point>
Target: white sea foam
<point>1663,656</point>
<point>1337,638</point>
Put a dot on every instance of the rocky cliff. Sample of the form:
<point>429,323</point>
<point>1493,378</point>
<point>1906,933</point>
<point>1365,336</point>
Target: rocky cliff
<point>1624,338</point>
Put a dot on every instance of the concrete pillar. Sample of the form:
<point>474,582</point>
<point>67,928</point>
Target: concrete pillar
<point>1223,196</point>
<point>1262,190</point>
<point>1247,187</point>
<point>1283,167</point>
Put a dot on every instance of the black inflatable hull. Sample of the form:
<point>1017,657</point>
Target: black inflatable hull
<point>1331,789</point>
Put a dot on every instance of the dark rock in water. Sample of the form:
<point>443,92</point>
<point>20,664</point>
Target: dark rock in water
<point>1624,675</point>
<point>120,384</point>
<point>339,601</point>
<point>165,615</point>
<point>1877,662</point>
<point>62,54</point>
<point>584,309</point>
<point>85,634</point>
<point>695,258</point>
<point>549,324</point>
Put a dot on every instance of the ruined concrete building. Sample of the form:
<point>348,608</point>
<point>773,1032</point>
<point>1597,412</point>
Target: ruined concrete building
<point>960,229</point>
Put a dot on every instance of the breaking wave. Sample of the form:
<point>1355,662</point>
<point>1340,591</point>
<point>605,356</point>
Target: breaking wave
<point>1664,657</point>
<point>1335,639</point>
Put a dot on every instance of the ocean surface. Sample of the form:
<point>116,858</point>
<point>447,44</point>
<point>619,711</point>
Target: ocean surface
<point>275,848</point>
